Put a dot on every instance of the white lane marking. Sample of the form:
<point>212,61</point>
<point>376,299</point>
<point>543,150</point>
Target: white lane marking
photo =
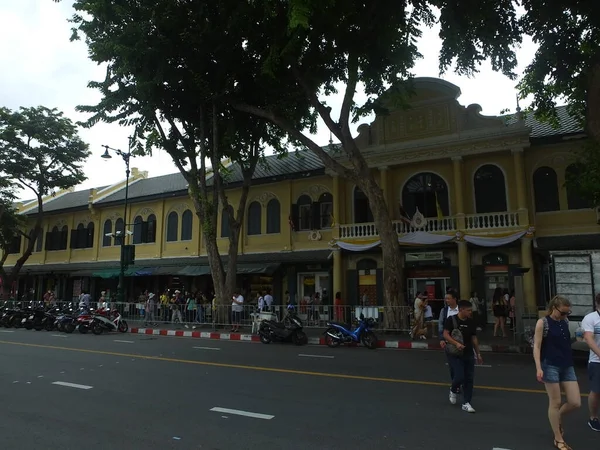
<point>485,365</point>
<point>207,348</point>
<point>59,335</point>
<point>238,412</point>
<point>124,342</point>
<point>498,448</point>
<point>72,385</point>
<point>7,331</point>
<point>302,355</point>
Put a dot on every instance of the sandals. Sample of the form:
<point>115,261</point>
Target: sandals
<point>561,445</point>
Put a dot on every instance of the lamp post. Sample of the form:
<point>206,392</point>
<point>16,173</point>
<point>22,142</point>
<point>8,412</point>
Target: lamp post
<point>126,157</point>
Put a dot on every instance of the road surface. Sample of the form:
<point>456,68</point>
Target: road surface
<point>123,391</point>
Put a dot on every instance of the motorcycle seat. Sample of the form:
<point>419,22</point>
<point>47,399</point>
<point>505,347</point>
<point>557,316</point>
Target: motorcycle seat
<point>339,324</point>
<point>275,324</point>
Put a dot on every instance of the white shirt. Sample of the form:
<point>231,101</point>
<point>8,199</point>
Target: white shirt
<point>452,312</point>
<point>591,324</point>
<point>268,300</point>
<point>235,307</point>
<point>261,303</point>
<point>428,312</point>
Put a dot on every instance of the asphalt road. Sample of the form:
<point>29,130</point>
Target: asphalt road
<point>147,392</point>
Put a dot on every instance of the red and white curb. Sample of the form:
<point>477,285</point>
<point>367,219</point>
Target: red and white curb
<point>402,345</point>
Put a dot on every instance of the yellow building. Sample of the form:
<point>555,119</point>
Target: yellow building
<point>472,197</point>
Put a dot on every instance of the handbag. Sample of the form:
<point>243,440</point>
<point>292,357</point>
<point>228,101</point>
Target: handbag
<point>458,337</point>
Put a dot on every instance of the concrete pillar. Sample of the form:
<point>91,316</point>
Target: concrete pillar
<point>528,278</point>
<point>337,201</point>
<point>464,270</point>
<point>338,280</point>
<point>520,180</point>
<point>459,202</point>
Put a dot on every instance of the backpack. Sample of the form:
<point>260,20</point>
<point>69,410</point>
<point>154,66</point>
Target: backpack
<point>457,336</point>
<point>530,333</point>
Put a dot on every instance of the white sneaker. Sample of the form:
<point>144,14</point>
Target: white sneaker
<point>452,398</point>
<point>468,408</point>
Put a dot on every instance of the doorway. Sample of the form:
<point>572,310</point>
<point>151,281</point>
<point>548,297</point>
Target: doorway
<point>311,283</point>
<point>493,280</point>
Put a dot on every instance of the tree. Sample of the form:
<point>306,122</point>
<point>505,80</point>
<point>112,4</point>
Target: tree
<point>40,152</point>
<point>270,51</point>
<point>171,87</point>
<point>566,66</point>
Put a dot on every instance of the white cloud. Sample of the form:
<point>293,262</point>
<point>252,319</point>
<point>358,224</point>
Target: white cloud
<point>42,67</point>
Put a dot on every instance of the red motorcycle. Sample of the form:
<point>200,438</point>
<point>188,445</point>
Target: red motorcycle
<point>86,318</point>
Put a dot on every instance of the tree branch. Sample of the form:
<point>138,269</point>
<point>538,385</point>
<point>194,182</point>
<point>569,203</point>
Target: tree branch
<point>20,180</point>
<point>348,101</point>
<point>296,134</point>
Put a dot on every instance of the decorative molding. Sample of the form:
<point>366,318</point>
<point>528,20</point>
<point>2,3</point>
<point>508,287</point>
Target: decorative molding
<point>59,223</point>
<point>331,173</point>
<point>457,158</point>
<point>314,192</point>
<point>180,208</point>
<point>114,216</point>
<point>263,198</point>
<point>419,221</point>
<point>82,219</point>
<point>144,212</point>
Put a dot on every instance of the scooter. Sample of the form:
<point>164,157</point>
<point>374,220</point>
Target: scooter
<point>114,322</point>
<point>290,329</point>
<point>337,333</point>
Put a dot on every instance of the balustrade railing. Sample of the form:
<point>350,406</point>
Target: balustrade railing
<point>483,222</point>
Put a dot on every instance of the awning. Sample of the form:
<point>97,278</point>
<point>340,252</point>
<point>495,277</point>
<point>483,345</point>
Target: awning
<point>106,273</point>
<point>194,271</point>
<point>249,269</point>
<point>129,272</point>
<point>167,270</point>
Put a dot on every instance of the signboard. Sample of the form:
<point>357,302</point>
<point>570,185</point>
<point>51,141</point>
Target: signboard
<point>424,256</point>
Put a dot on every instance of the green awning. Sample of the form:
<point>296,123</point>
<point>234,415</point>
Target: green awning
<point>194,271</point>
<point>106,273</point>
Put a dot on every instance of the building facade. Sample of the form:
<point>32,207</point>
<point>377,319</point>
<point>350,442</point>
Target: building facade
<point>472,197</point>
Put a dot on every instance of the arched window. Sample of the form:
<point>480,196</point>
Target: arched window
<point>254,219</point>
<point>362,209</point>
<point>490,189</point>
<point>172,226</point>
<point>64,237</point>
<point>107,240</point>
<point>53,239</point>
<point>149,232</point>
<point>574,200</point>
<point>428,193</point>
<point>89,243</point>
<point>138,225</point>
<point>119,231</point>
<point>304,221</point>
<point>79,237</point>
<point>545,190</point>
<point>273,216</point>
<point>325,210</point>
<point>224,224</point>
<point>15,246</point>
<point>187,222</point>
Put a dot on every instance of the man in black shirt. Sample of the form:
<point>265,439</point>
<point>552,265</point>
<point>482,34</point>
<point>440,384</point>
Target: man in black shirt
<point>463,365</point>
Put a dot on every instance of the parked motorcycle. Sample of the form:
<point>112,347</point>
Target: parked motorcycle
<point>290,329</point>
<point>337,333</point>
<point>111,322</point>
<point>44,319</point>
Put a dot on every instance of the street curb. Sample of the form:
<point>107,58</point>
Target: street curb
<point>399,345</point>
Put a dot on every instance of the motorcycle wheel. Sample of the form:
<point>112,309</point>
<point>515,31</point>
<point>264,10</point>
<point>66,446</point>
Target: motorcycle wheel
<point>69,327</point>
<point>28,325</point>
<point>97,328</point>
<point>38,326</point>
<point>60,327</point>
<point>369,340</point>
<point>299,338</point>
<point>83,328</point>
<point>331,342</point>
<point>123,327</point>
<point>264,338</point>
<point>49,326</point>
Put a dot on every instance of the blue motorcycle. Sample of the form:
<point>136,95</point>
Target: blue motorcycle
<point>337,333</point>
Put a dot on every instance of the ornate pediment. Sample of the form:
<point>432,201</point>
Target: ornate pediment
<point>315,192</point>
<point>264,198</point>
<point>144,213</point>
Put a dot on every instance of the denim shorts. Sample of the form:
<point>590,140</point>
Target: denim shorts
<point>594,374</point>
<point>556,374</point>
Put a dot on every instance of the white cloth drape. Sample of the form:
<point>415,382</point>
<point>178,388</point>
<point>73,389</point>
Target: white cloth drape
<point>483,241</point>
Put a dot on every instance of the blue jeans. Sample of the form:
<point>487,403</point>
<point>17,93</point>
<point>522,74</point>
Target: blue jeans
<point>464,374</point>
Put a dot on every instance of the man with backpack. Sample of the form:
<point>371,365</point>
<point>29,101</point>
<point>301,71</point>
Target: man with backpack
<point>449,310</point>
<point>462,348</point>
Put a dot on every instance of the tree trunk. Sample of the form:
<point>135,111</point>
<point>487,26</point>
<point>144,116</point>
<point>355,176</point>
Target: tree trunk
<point>592,119</point>
<point>393,297</point>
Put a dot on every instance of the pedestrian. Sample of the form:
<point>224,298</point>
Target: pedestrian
<point>418,330</point>
<point>451,309</point>
<point>268,300</point>
<point>554,365</point>
<point>150,304</point>
<point>591,335</point>
<point>476,314</point>
<point>500,310</point>
<point>237,307</point>
<point>460,333</point>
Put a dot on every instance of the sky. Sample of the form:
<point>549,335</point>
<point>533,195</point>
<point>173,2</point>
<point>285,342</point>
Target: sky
<point>40,66</point>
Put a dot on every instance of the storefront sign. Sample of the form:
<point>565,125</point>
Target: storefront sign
<point>424,256</point>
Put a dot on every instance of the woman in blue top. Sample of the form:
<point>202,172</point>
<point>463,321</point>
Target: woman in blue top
<point>554,364</point>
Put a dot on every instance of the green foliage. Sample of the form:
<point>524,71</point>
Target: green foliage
<point>568,35</point>
<point>40,150</point>
<point>586,179</point>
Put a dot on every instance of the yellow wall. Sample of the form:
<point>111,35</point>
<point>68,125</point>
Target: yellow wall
<point>562,222</point>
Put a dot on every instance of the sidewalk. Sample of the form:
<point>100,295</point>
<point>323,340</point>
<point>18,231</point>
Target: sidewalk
<point>488,343</point>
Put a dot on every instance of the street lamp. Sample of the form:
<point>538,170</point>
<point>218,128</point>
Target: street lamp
<point>122,260</point>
